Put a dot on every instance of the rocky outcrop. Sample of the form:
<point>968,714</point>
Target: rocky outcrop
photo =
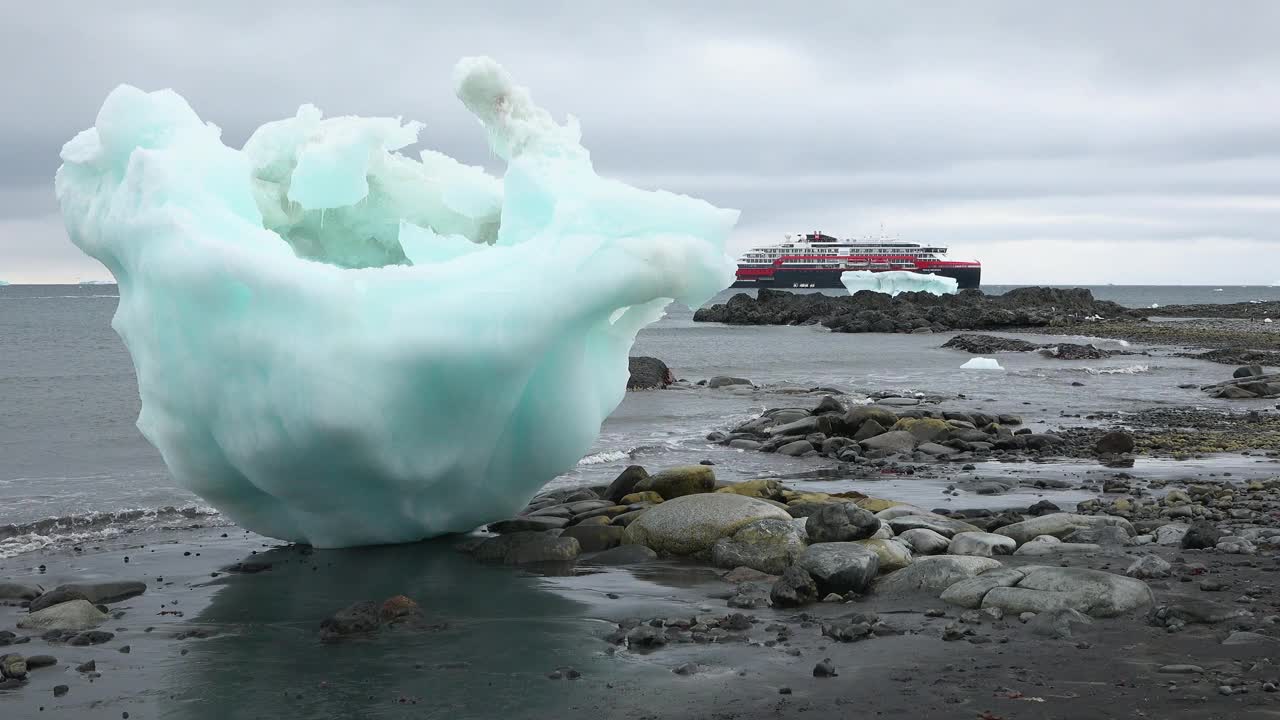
<point>691,524</point>
<point>907,312</point>
<point>987,344</point>
<point>1249,383</point>
<point>648,373</point>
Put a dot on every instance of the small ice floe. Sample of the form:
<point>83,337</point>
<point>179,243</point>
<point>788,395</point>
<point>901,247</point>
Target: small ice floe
<point>1266,320</point>
<point>1217,289</point>
<point>981,363</point>
<point>1155,305</point>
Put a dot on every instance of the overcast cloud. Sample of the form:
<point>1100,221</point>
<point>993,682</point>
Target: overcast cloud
<point>1083,142</point>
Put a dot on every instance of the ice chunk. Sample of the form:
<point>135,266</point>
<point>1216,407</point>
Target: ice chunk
<point>892,282</point>
<point>341,345</point>
<point>981,363</point>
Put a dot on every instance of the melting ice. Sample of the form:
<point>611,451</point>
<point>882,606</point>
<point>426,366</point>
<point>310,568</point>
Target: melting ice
<point>340,344</point>
<point>892,282</point>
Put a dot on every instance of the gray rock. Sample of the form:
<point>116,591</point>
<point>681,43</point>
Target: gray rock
<point>595,538</point>
<point>542,549</point>
<point>768,545</point>
<point>625,483</point>
<point>1181,669</point>
<point>105,593</point>
<point>35,662</point>
<point>625,555</point>
<point>980,544</point>
<point>1147,567</point>
<point>936,450</point>
<point>72,615</point>
<point>893,553</point>
<point>13,666</point>
<point>840,567</point>
<point>840,522</point>
<point>1235,546</point>
<point>53,597</point>
<point>934,574</point>
<point>1057,623</point>
<point>1060,525</point>
<point>795,588</point>
<point>944,526</point>
<point>744,444</point>
<point>720,381</point>
<point>925,542</point>
<point>1241,637</point>
<point>897,441</point>
<point>1196,611</point>
<point>1041,549</point>
<point>692,524</point>
<point>1200,535</point>
<point>648,373</point>
<point>968,593</point>
<point>1104,535</point>
<point>19,591</point>
<point>680,481</point>
<point>797,448</point>
<point>1171,534</point>
<point>528,524</point>
<point>1116,442</point>
<point>1093,592</point>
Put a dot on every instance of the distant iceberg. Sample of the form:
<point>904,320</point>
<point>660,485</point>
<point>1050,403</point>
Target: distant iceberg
<point>341,345</point>
<point>893,282</point>
<point>981,363</point>
<point>3,283</point>
<point>97,282</point>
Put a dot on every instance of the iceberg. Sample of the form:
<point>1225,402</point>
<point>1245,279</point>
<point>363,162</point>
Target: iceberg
<point>892,282</point>
<point>339,344</point>
<point>981,363</point>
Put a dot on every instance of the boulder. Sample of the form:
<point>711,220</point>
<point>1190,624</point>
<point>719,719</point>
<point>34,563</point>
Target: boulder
<point>1116,442</point>
<point>595,538</point>
<point>840,567</point>
<point>866,413</point>
<point>898,441</point>
<point>680,481</point>
<point>541,548</point>
<point>868,429</point>
<point>925,542</point>
<point>767,489</point>
<point>980,544</point>
<point>529,523</point>
<point>624,555</point>
<point>769,545</point>
<point>795,588</point>
<point>1092,592</point>
<point>625,483</point>
<point>1149,566</point>
<point>13,666</point>
<point>648,373</point>
<point>71,615</point>
<point>1171,534</point>
<point>987,344</point>
<point>1202,534</point>
<point>691,524</point>
<point>797,448</point>
<point>969,592</point>
<point>1060,525</point>
<point>106,592</point>
<point>53,597</point>
<point>840,522</point>
<point>934,574</point>
<point>19,591</point>
<point>1247,371</point>
<point>944,526</point>
<point>720,381</point>
<point>924,430</point>
<point>893,554</point>
<point>1041,549</point>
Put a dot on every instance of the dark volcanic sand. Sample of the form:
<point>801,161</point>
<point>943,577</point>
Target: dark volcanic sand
<point>507,629</point>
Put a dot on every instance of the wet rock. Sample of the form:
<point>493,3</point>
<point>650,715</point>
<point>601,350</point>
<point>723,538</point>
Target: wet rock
<point>87,667</point>
<point>1093,592</point>
<point>542,548</point>
<point>625,555</point>
<point>925,542</point>
<point>1057,623</point>
<point>646,637</point>
<point>1202,534</point>
<point>53,597</point>
<point>1241,637</point>
<point>35,662</point>
<point>1102,535</point>
<point>1060,525</point>
<point>679,481</point>
<point>595,538</point>
<point>824,669</point>
<point>73,615</point>
<point>768,545</point>
<point>91,637</point>
<point>1181,669</point>
<point>1171,534</point>
<point>968,593</point>
<point>840,522</point>
<point>840,567</point>
<point>980,544</point>
<point>946,527</point>
<point>1074,351</point>
<point>1188,611</point>
<point>1043,507</point>
<point>625,483</point>
<point>752,595</point>
<point>357,619</point>
<point>720,381</point>
<point>797,448</point>
<point>648,373</point>
<point>794,589</point>
<point>1042,549</point>
<point>691,524</point>
<point>61,690</point>
<point>19,591</point>
<point>987,344</point>
<point>1148,567</point>
<point>105,592</point>
<point>934,574</point>
<point>13,666</point>
<point>893,554</point>
<point>896,442</point>
<point>531,523</point>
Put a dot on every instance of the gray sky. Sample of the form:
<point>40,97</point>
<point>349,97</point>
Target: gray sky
<point>1084,142</point>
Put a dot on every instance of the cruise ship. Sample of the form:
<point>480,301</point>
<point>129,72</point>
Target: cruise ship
<point>815,260</point>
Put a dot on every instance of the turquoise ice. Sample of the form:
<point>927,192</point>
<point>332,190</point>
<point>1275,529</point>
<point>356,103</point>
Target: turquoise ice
<point>340,344</point>
<point>892,282</point>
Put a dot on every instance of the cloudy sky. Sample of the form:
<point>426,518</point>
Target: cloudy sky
<point>1083,142</point>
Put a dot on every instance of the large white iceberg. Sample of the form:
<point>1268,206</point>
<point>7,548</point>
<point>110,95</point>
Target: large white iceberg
<point>339,344</point>
<point>892,282</point>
